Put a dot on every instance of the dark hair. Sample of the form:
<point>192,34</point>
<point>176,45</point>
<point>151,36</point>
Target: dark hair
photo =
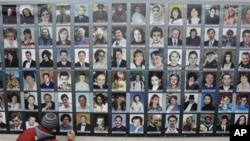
<point>97,52</point>
<point>14,115</point>
<point>173,116</point>
<point>238,120</point>
<point>172,53</point>
<point>137,51</point>
<point>152,97</point>
<point>192,74</point>
<point>28,52</point>
<point>211,102</point>
<point>175,75</point>
<point>63,96</point>
<point>64,50</point>
<point>115,105</point>
<point>192,52</point>
<point>81,51</point>
<point>102,97</point>
<point>82,73</point>
<point>14,94</point>
<point>27,30</point>
<point>117,75</point>
<point>228,53</point>
<point>137,117</point>
<point>156,29</point>
<point>82,96</point>
<point>193,30</point>
<point>60,31</point>
<point>179,13</point>
<point>211,29</point>
<point>64,73</point>
<point>28,73</point>
<point>47,53</point>
<point>172,96</point>
<point>118,116</point>
<point>140,29</point>
<point>47,94</point>
<point>31,96</point>
<point>47,30</point>
<point>245,31</point>
<point>65,115</point>
<point>224,117</point>
<point>177,30</point>
<point>136,96</point>
<point>99,73</point>
<point>45,74</point>
<point>28,11</point>
<point>156,53</point>
<point>139,75</point>
<point>10,30</point>
<point>118,28</point>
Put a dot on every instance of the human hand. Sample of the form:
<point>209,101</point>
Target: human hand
<point>71,134</point>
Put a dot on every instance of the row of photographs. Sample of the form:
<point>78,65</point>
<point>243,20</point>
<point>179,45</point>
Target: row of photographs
<point>133,59</point>
<point>121,81</point>
<point>135,13</point>
<point>130,123</point>
<point>126,102</point>
<point>121,36</point>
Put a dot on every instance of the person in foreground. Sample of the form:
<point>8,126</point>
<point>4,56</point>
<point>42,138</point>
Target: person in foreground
<point>44,130</point>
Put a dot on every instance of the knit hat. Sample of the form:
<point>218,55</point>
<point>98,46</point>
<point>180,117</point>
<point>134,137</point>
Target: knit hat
<point>49,121</point>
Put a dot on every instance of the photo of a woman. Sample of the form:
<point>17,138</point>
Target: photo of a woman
<point>176,16</point>
<point>194,14</point>
<point>154,103</point>
<point>208,102</point>
<point>28,41</point>
<point>63,37</point>
<point>138,60</point>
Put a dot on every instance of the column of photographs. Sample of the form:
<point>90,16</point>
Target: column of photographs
<point>169,71</point>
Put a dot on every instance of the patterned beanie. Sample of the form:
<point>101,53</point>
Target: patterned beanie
<point>50,121</point>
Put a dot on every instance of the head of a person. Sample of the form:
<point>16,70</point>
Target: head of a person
<point>230,34</point>
<point>174,58</point>
<point>16,119</point>
<point>28,55</point>
<point>175,32</point>
<point>189,120</point>
<point>119,78</point>
<point>137,121</point>
<point>100,78</point>
<point>63,55</point>
<point>243,99</point>
<point>80,33</point>
<point>27,33</point>
<point>99,33</point>
<point>224,120</point>
<point>46,78</point>
<point>99,55</point>
<point>209,78</point>
<point>137,98</point>
<point>242,120</point>
<point>208,119</point>
<point>10,34</point>
<point>65,119</point>
<point>47,98</point>
<point>192,77</point>
<point>174,79</point>
<point>29,77</point>
<point>246,36</point>
<point>14,98</point>
<point>118,121</point>
<point>62,10</point>
<point>137,8</point>
<point>11,55</point>
<point>81,10</point>
<point>26,12</point>
<point>172,120</point>
<point>156,34</point>
<point>10,11</point>
<point>191,98</point>
<point>31,99</point>
<point>154,100</point>
<point>100,7</point>
<point>228,57</point>
<point>46,33</point>
<point>119,99</point>
<point>118,32</point>
<point>210,56</point>
<point>156,58</point>
<point>82,76</point>
<point>195,12</point>
<point>172,100</point>
<point>64,77</point>
<point>81,56</point>
<point>63,34</point>
<point>176,13</point>
<point>154,119</point>
<point>192,58</point>
<point>138,57</point>
<point>243,77</point>
<point>83,119</point>
<point>12,75</point>
<point>211,33</point>
<point>82,100</point>
<point>118,53</point>
<point>231,12</point>
<point>247,15</point>
<point>65,99</point>
<point>100,99</point>
<point>156,79</point>
<point>138,77</point>
<point>44,14</point>
<point>100,121</point>
<point>138,34</point>
<point>208,99</point>
<point>119,7</point>
<point>32,120</point>
<point>245,58</point>
<point>193,33</point>
<point>46,55</point>
<point>157,11</point>
<point>226,79</point>
<point>212,11</point>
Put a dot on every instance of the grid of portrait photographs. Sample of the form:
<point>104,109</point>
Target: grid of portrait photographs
<point>134,69</point>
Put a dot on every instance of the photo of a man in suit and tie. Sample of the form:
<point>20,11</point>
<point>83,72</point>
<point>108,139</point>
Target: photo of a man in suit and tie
<point>118,61</point>
<point>83,126</point>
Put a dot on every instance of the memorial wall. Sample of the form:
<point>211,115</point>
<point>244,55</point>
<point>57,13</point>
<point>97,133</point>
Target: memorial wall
<point>154,68</point>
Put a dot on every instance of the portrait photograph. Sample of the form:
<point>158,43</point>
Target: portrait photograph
<point>27,14</point>
<point>157,13</point>
<point>100,58</point>
<point>28,58</point>
<point>207,102</point>
<point>65,101</point>
<point>212,14</point>
<point>155,81</point>
<point>138,35</point>
<point>244,60</point>
<point>241,119</point>
<point>173,81</point>
<point>81,36</point>
<point>173,101</point>
<point>15,101</point>
<point>175,36</point>
<point>174,59</point>
<point>245,38</point>
<point>210,59</point>
<point>100,102</point>
<point>11,58</point>
<point>45,36</point>
<point>206,123</point>
<point>138,13</point>
<point>100,81</point>
<point>193,80</point>
<point>12,80</point>
<point>175,14</point>
<point>28,37</point>
<point>83,122</point>
<point>63,57</point>
<point>226,81</point>
<point>2,105</point>
<point>172,124</point>
<point>193,35</point>
<point>243,82</point>
<point>189,123</point>
<point>64,82</point>
<point>65,122</point>
<point>209,81</point>
<point>223,123</point>
<point>245,15</point>
<point>137,102</point>
<point>44,13</point>
<point>119,58</point>
<point>31,120</point>
<point>82,80</point>
<point>156,38</point>
<point>100,12</point>
<point>9,14</point>
<point>46,58</point>
<point>100,36</point>
<point>63,36</point>
<point>16,121</point>
<point>119,102</point>
<point>191,102</point>
<point>81,13</point>
<point>192,58</point>
<point>225,102</point>
<point>155,102</point>
<point>100,123</point>
<point>49,101</point>
<point>194,14</point>
<point>242,102</point>
<point>119,80</point>
<point>156,58</point>
<point>228,59</point>
<point>211,37</point>
<point>230,15</point>
<point>46,80</point>
<point>63,14</point>
<point>154,124</point>
<point>10,37</point>
<point>83,102</point>
<point>119,13</point>
<point>30,80</point>
<point>1,80</point>
<point>137,80</point>
<point>229,37</point>
<point>137,59</point>
<point>119,36</point>
<point>136,123</point>
<point>3,124</point>
<point>82,58</point>
<point>119,124</point>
